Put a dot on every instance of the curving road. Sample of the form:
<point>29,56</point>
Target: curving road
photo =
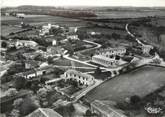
<point>132,35</point>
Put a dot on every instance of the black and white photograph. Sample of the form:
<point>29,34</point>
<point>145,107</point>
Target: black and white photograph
<point>82,58</point>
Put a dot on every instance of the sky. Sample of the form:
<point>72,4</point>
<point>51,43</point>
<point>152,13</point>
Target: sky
<point>137,3</point>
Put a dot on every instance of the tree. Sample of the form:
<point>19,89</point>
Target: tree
<point>69,47</point>
<point>115,36</point>
<point>135,99</point>
<point>152,51</point>
<point>27,106</point>
<point>20,82</point>
<point>88,113</point>
<point>3,44</point>
<point>11,92</point>
<point>42,94</point>
<point>50,60</point>
<point>15,113</point>
<point>117,57</point>
<point>98,70</point>
<point>17,103</point>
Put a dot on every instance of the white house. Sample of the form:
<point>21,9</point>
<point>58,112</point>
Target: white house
<point>46,28</point>
<point>73,29</point>
<point>20,15</point>
<point>72,37</point>
<point>25,43</point>
<point>81,78</point>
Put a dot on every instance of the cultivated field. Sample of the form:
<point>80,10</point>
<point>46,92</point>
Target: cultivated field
<point>138,82</point>
<point>42,19</point>
<point>128,14</point>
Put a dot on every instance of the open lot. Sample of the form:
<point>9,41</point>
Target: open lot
<point>140,82</point>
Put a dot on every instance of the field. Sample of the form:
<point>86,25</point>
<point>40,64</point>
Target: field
<point>41,19</point>
<point>5,30</point>
<point>138,82</point>
<point>129,13</point>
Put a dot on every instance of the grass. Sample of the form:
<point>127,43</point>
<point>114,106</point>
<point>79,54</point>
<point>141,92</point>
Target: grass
<point>128,14</point>
<point>8,29</point>
<point>138,82</point>
<point>44,19</point>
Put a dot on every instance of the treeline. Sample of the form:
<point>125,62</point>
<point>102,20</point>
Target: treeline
<point>50,11</point>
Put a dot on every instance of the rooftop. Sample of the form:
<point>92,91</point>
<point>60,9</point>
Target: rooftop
<point>104,108</point>
<point>103,57</point>
<point>79,73</point>
<point>44,112</point>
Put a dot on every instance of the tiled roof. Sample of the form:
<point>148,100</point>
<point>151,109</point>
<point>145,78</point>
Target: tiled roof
<point>44,112</point>
<point>78,73</point>
<point>106,109</point>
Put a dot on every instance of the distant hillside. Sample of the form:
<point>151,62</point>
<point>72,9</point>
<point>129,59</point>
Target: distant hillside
<point>54,11</point>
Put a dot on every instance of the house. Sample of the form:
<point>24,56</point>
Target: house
<point>20,15</point>
<point>24,43</point>
<point>30,64</point>
<point>72,37</point>
<point>36,72</point>
<point>105,61</point>
<point>44,112</point>
<point>28,74</point>
<point>81,78</point>
<point>7,14</point>
<point>73,29</point>
<point>108,52</point>
<point>54,50</point>
<point>146,49</point>
<point>103,110</point>
<point>46,28</point>
<point>31,55</point>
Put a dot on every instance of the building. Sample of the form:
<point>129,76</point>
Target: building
<point>104,110</point>
<point>46,28</point>
<point>146,49</point>
<point>54,50</point>
<point>7,14</point>
<point>30,64</point>
<point>81,78</point>
<point>36,72</point>
<point>24,43</point>
<point>73,29</point>
<point>20,15</point>
<point>108,52</point>
<point>72,37</point>
<point>44,112</point>
<point>105,61</point>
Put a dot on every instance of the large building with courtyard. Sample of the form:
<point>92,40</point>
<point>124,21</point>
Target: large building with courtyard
<point>109,52</point>
<point>81,78</point>
<point>105,61</point>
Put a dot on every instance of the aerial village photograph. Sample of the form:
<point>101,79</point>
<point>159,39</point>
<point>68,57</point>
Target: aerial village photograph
<point>82,58</point>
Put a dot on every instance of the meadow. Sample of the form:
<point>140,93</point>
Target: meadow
<point>141,82</point>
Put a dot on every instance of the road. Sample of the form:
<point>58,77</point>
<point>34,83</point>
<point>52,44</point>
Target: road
<point>132,35</point>
<point>66,56</point>
<point>83,92</point>
<point>144,61</point>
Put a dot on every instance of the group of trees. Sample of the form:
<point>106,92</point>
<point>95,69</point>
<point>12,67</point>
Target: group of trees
<point>23,107</point>
<point>3,44</point>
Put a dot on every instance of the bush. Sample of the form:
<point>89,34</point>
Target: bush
<point>134,100</point>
